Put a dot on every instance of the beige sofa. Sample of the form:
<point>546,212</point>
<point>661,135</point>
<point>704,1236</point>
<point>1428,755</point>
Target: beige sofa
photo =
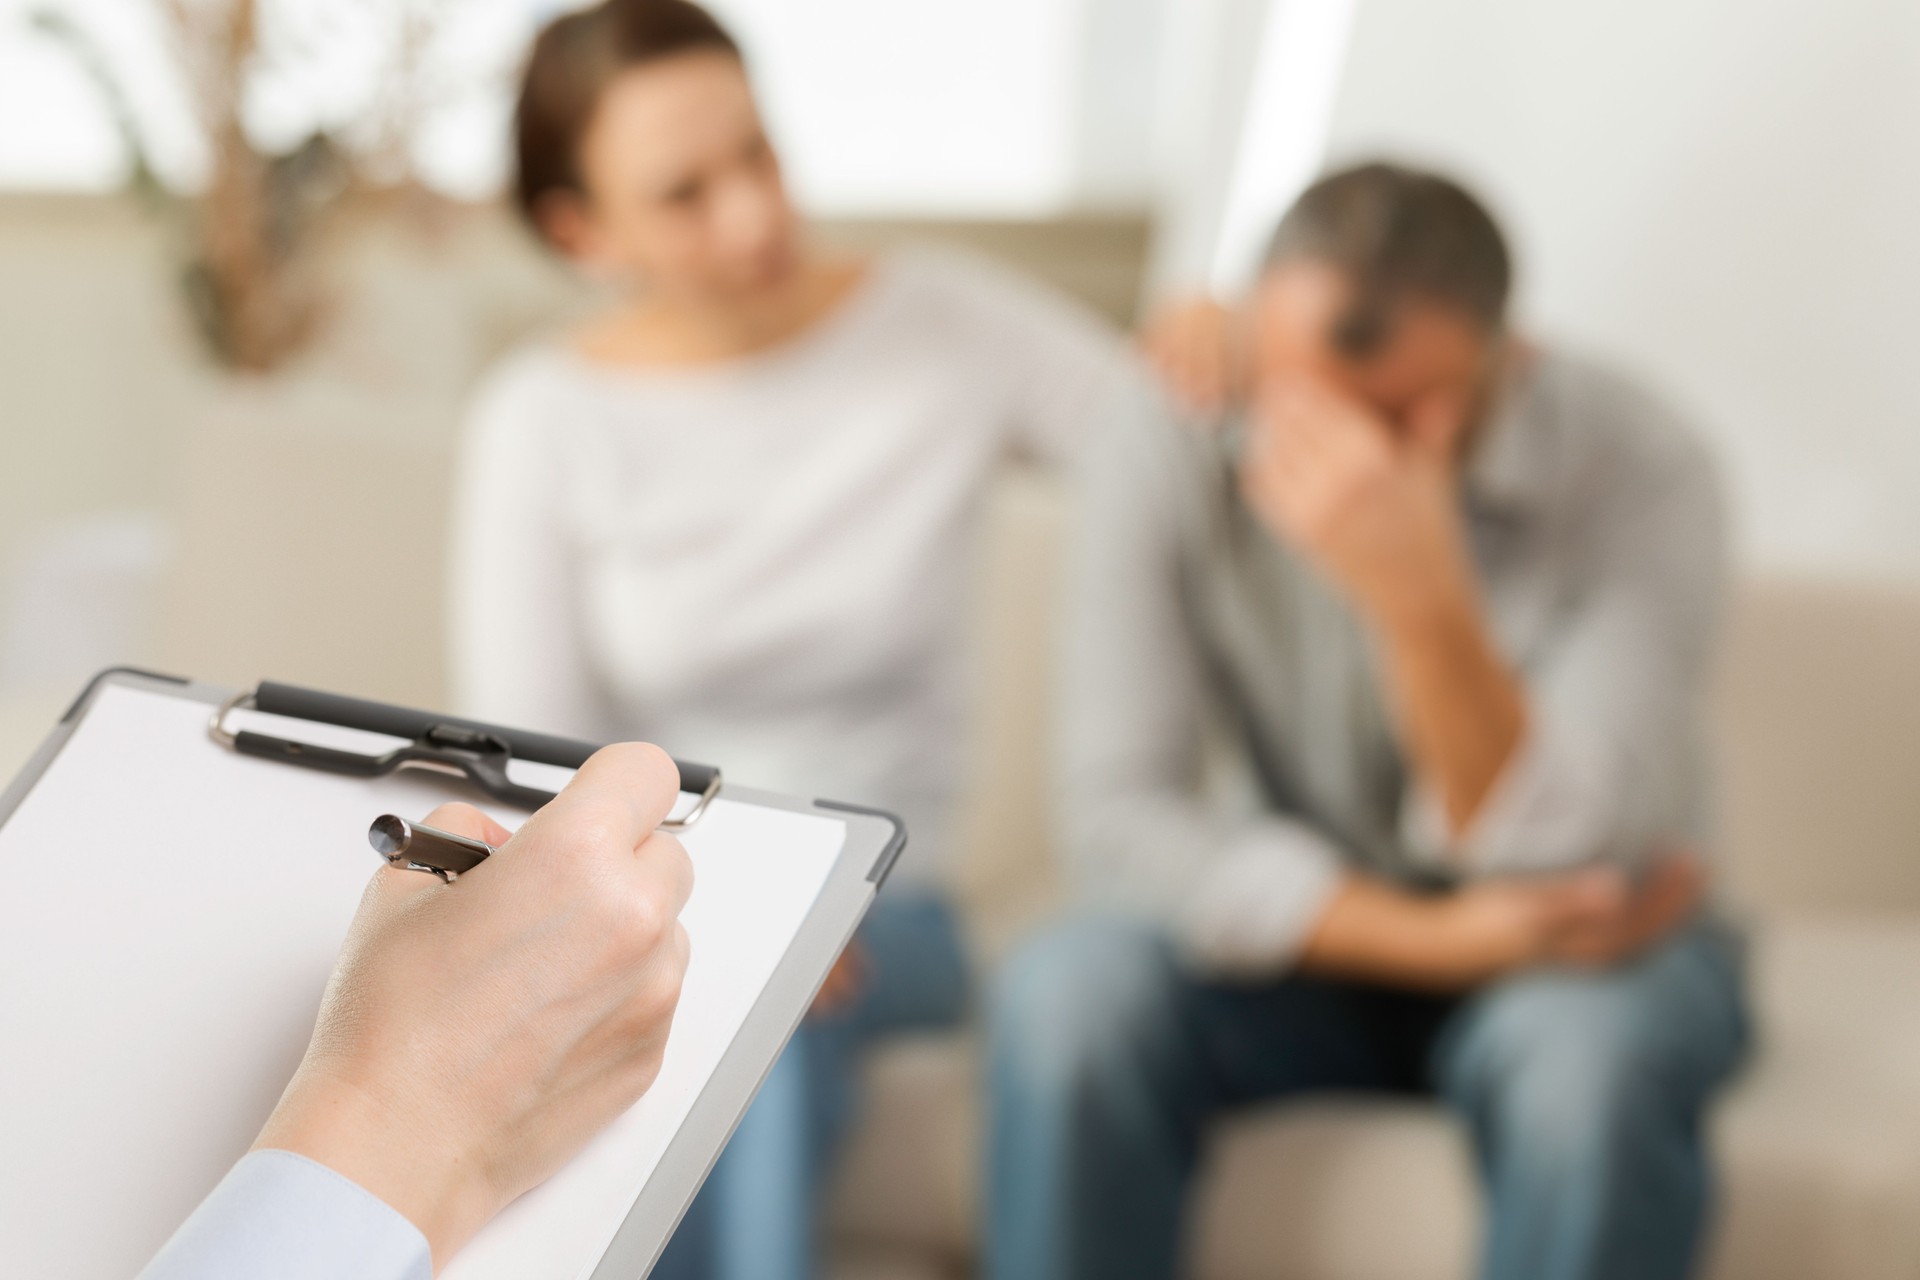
<point>1820,738</point>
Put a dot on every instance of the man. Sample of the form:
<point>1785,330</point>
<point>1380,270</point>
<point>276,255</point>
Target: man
<point>473,1037</point>
<point>1450,601</point>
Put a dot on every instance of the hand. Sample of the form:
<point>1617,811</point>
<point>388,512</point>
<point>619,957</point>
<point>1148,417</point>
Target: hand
<point>1373,508</point>
<point>475,1035</point>
<point>1495,927</point>
<point>1197,347</point>
<point>1666,897</point>
<point>845,982</point>
<point>1589,919</point>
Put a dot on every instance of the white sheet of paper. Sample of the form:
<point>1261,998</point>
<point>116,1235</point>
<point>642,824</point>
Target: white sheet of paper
<point>169,912</point>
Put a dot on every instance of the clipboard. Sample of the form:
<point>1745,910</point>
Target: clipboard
<point>161,959</point>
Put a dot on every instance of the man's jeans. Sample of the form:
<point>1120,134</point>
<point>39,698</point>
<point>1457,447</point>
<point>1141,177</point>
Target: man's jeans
<point>1583,1093</point>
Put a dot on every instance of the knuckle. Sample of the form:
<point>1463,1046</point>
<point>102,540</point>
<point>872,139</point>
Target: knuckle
<point>665,850</point>
<point>662,996</point>
<point>644,1067</point>
<point>647,1014</point>
<point>589,829</point>
<point>640,923</point>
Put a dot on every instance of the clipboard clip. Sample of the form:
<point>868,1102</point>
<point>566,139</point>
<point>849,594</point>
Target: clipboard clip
<point>478,753</point>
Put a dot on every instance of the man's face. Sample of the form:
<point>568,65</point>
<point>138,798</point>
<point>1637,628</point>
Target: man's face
<point>1429,351</point>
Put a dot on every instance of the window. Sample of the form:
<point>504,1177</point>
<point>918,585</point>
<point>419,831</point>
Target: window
<point>988,107</point>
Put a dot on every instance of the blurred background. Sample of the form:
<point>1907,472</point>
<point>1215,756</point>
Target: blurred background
<point>1721,194</point>
<point>227,419</point>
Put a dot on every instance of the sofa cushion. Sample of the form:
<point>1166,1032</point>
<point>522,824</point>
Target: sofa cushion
<point>1818,746</point>
<point>1820,1144</point>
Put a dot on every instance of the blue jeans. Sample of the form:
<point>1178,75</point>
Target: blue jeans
<point>757,1217</point>
<point>1583,1092</point>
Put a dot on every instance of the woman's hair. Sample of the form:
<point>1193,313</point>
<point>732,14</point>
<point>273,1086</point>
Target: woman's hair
<point>573,61</point>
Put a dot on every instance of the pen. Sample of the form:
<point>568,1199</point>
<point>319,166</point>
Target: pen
<point>412,847</point>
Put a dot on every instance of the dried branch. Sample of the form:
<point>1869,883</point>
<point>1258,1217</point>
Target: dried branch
<point>252,228</point>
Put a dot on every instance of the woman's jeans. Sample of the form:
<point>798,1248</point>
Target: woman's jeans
<point>757,1217</point>
<point>1583,1093</point>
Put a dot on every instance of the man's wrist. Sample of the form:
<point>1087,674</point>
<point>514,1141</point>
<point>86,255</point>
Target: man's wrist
<point>1449,950</point>
<point>1435,611</point>
<point>1445,943</point>
<point>1374,929</point>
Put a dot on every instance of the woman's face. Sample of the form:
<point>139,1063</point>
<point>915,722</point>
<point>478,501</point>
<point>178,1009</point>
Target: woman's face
<point>683,190</point>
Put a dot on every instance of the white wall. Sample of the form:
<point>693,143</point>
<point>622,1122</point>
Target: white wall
<point>1724,194</point>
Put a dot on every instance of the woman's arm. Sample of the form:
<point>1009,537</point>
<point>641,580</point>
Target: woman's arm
<point>1056,362</point>
<point>516,645</point>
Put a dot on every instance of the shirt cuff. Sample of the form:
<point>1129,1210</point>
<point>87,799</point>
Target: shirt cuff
<point>1548,810</point>
<point>1251,911</point>
<point>282,1215</point>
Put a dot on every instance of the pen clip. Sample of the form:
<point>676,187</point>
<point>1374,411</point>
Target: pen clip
<point>410,846</point>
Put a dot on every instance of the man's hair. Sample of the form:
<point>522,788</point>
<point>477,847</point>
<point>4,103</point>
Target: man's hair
<point>1397,233</point>
<point>573,61</point>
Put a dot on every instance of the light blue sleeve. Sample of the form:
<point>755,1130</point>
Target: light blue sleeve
<point>282,1215</point>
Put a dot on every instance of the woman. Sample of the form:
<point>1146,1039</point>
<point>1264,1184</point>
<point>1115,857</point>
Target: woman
<point>781,454</point>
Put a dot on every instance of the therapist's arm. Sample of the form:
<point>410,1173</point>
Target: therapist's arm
<point>474,1036</point>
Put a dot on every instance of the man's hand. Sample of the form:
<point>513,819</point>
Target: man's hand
<point>1591,918</point>
<point>1200,353</point>
<point>1664,899</point>
<point>475,1035</point>
<point>1374,508</point>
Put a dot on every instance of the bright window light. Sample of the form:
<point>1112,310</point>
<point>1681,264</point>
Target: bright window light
<point>881,106</point>
<point>912,106</point>
<point>1284,138</point>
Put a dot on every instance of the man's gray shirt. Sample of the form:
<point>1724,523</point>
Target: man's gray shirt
<point>1597,527</point>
